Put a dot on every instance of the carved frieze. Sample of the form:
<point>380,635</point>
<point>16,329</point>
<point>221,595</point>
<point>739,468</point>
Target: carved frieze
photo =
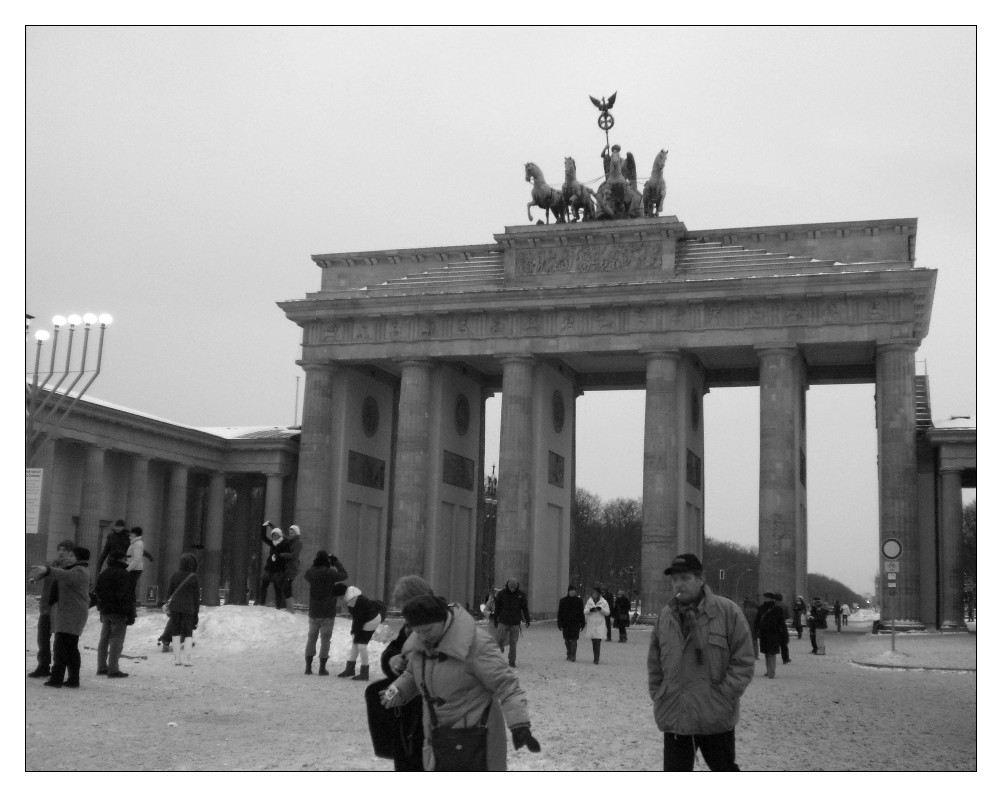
<point>691,314</point>
<point>635,256</point>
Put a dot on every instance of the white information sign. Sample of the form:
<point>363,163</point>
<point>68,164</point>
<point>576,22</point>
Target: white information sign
<point>32,499</point>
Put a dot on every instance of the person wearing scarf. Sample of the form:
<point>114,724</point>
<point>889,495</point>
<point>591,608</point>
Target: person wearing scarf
<point>699,663</point>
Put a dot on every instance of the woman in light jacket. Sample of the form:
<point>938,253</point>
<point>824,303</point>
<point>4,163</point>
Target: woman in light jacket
<point>460,669</point>
<point>596,610</point>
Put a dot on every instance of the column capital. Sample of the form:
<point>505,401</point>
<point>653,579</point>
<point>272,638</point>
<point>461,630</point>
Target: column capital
<point>904,344</point>
<point>784,349</point>
<point>315,367</point>
<point>515,359</point>
<point>415,363</point>
<point>661,354</point>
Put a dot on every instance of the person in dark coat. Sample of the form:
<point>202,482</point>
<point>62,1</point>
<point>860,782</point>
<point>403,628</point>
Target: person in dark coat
<point>398,733</point>
<point>326,586</point>
<point>117,542</point>
<point>291,564</point>
<point>772,631</point>
<point>70,606</point>
<point>274,565</point>
<point>799,612</point>
<point>621,614</point>
<point>44,635</point>
<point>784,645</point>
<point>183,593</point>
<point>511,606</point>
<point>366,615</point>
<point>571,620</point>
<point>817,623</point>
<point>116,601</point>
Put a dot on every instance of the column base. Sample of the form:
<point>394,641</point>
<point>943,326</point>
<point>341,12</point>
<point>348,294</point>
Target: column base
<point>952,626</point>
<point>900,626</point>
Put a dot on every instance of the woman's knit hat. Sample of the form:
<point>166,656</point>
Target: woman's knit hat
<point>425,609</point>
<point>351,594</point>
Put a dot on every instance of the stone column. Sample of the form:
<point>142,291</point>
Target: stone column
<point>213,539</point>
<point>897,475</point>
<point>273,499</point>
<point>779,462</point>
<point>173,530</point>
<point>244,535</point>
<point>513,543</point>
<point>91,505</point>
<point>313,485</point>
<point>951,571</point>
<point>137,507</point>
<point>410,472</point>
<point>659,538</point>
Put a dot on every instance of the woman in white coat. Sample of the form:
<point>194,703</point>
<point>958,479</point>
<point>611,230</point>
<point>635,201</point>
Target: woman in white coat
<point>596,610</point>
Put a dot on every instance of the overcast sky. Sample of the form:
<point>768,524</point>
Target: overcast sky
<point>180,179</point>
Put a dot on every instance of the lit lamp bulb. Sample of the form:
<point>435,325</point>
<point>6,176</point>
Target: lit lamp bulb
<point>58,321</point>
<point>104,319</point>
<point>89,319</point>
<point>74,320</point>
<point>41,335</point>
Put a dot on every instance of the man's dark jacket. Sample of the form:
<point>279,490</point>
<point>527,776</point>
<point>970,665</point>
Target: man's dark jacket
<point>511,607</point>
<point>114,591</point>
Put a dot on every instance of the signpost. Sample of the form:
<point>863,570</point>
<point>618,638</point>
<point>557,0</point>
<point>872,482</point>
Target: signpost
<point>890,549</point>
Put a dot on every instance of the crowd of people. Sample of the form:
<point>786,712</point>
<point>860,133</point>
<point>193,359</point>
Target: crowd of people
<point>449,683</point>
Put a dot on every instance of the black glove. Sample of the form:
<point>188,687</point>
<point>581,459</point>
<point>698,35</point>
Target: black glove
<point>594,609</point>
<point>132,621</point>
<point>521,737</point>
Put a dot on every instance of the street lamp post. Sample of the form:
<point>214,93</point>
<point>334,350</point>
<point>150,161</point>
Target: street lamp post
<point>40,416</point>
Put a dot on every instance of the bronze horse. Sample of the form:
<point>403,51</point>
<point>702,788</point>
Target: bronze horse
<point>544,196</point>
<point>654,191</point>
<point>578,197</point>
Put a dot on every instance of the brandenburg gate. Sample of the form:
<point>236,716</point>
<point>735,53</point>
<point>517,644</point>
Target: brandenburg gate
<point>402,348</point>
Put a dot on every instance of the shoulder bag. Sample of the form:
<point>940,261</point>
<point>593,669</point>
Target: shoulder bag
<point>169,597</point>
<point>456,749</point>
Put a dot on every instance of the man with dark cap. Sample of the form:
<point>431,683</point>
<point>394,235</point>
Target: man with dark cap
<point>511,607</point>
<point>48,596</point>
<point>571,620</point>
<point>771,627</point>
<point>69,613</point>
<point>116,602</point>
<point>699,663</point>
<point>117,541</point>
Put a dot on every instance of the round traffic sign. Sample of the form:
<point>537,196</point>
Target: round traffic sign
<point>890,548</point>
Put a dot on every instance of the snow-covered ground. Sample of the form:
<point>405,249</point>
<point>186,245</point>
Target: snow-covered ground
<point>246,705</point>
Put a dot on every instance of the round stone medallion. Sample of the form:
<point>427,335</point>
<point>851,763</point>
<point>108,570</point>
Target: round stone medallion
<point>370,416</point>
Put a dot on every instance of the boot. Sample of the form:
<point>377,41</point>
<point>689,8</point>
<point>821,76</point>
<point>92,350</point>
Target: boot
<point>349,670</point>
<point>574,650</point>
<point>176,646</point>
<point>186,652</point>
<point>309,665</point>
<point>40,672</point>
<point>323,667</point>
<point>363,675</point>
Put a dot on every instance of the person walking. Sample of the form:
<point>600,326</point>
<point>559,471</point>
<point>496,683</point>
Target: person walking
<point>571,620</point>
<point>70,598</point>
<point>183,594</point>
<point>291,565</point>
<point>609,600</point>
<point>43,637</point>
<point>621,612</point>
<point>117,541</point>
<point>817,624</point>
<point>366,615</point>
<point>846,610</point>
<point>398,733</point>
<point>837,611</point>
<point>116,603</point>
<point>772,631</point>
<point>274,565</point>
<point>511,607</point>
<point>462,676</point>
<point>799,612</point>
<point>699,663</point>
<point>596,611</point>
<point>326,586</point>
<point>750,610</point>
<point>784,640</point>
